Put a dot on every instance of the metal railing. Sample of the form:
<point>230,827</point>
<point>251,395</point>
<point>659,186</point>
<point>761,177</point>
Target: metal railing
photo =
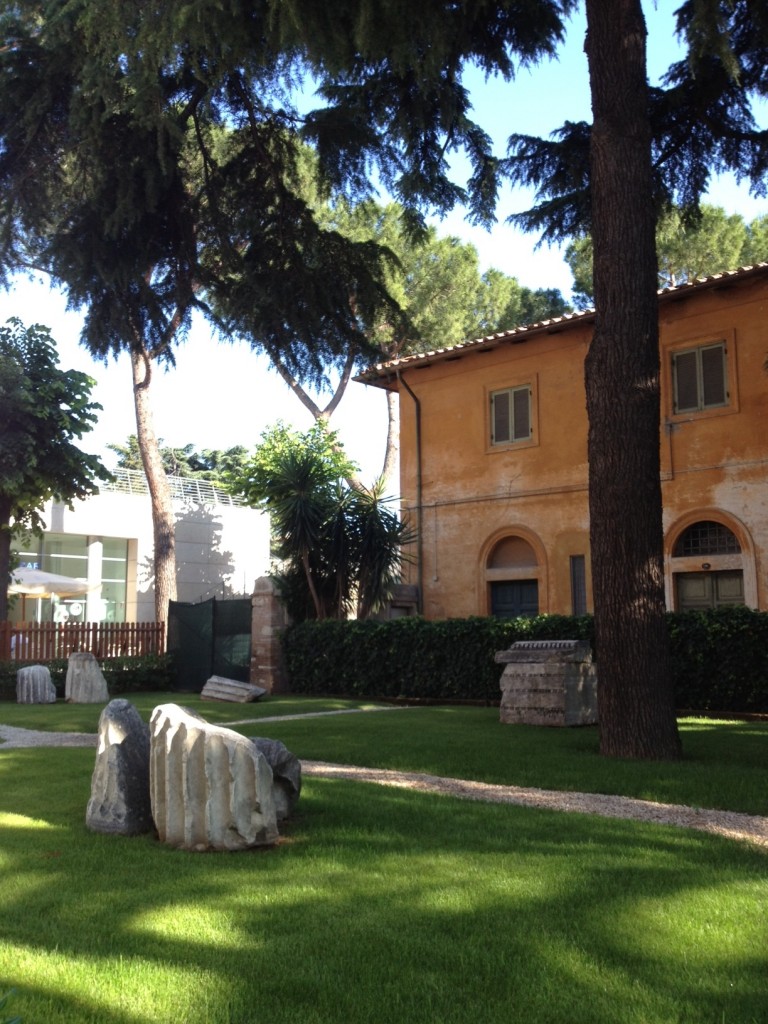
<point>183,488</point>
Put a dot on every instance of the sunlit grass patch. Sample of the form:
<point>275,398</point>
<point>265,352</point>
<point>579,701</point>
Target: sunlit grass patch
<point>380,905</point>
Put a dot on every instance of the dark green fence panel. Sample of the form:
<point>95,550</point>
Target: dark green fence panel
<point>209,638</point>
<point>232,639</point>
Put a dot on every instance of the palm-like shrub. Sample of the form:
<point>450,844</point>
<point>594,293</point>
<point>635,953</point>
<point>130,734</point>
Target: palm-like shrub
<point>338,545</point>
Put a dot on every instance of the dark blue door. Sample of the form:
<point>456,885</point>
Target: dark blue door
<point>516,599</point>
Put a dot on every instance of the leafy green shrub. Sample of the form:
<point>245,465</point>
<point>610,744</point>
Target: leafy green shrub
<point>719,658</point>
<point>146,673</point>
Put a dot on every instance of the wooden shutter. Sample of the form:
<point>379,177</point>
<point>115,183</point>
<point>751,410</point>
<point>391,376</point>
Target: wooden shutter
<point>522,414</point>
<point>713,390</point>
<point>511,415</point>
<point>685,372</point>
<point>500,418</point>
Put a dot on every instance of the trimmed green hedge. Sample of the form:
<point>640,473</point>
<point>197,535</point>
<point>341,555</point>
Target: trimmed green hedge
<point>150,672</point>
<point>720,658</point>
<point>452,659</point>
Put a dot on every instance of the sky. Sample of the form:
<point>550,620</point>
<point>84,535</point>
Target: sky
<point>222,394</point>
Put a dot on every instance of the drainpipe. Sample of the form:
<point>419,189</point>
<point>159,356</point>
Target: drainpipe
<point>419,507</point>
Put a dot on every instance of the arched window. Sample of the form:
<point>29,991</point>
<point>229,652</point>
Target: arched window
<point>512,553</point>
<point>512,571</point>
<point>706,538</point>
<point>707,567</point>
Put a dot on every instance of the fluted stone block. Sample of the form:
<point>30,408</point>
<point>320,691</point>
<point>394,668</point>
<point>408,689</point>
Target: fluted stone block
<point>286,773</point>
<point>211,788</point>
<point>85,683</point>
<point>119,802</point>
<point>34,686</point>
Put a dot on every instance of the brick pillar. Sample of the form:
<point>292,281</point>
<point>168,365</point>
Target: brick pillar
<point>269,619</point>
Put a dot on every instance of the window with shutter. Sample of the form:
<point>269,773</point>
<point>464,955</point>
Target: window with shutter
<point>578,585</point>
<point>511,415</point>
<point>699,377</point>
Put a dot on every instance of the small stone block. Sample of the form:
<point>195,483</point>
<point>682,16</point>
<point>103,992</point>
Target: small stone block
<point>220,688</point>
<point>34,685</point>
<point>85,682</point>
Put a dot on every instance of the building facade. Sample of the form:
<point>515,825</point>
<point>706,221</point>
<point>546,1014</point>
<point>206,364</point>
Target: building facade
<point>494,470</point>
<point>222,547</point>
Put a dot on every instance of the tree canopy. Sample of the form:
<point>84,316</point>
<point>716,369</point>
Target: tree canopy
<point>153,175</point>
<point>687,247</point>
<point>211,464</point>
<point>43,411</point>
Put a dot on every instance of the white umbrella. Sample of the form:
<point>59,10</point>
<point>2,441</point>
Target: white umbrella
<point>36,583</point>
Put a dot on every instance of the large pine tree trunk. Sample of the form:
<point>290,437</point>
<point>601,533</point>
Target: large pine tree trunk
<point>635,698</point>
<point>163,519</point>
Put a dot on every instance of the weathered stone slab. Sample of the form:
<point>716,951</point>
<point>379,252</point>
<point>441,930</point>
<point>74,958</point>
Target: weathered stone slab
<point>211,788</point>
<point>286,774</point>
<point>119,802</point>
<point>85,683</point>
<point>221,688</point>
<point>548,682</point>
<point>34,685</point>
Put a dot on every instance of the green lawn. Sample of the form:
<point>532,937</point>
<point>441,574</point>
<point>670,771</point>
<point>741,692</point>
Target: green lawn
<point>382,905</point>
<point>725,764</point>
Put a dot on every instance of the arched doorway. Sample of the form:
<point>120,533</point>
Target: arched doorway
<point>711,564</point>
<point>513,575</point>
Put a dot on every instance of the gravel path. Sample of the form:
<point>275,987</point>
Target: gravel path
<point>745,827</point>
<point>750,828</point>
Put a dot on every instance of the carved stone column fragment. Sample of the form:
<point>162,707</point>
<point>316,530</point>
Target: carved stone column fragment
<point>211,788</point>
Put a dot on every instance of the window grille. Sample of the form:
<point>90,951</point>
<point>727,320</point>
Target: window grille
<point>707,538</point>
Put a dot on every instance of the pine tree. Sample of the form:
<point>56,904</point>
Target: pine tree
<point>154,175</point>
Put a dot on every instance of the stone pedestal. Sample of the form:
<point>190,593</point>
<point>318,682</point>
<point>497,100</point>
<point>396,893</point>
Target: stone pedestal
<point>85,682</point>
<point>34,686</point>
<point>211,788</point>
<point>119,802</point>
<point>548,682</point>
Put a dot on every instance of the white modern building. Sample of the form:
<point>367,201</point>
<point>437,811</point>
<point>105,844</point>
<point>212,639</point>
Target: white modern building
<point>222,547</point>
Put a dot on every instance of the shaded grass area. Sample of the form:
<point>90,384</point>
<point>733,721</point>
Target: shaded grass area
<point>725,764</point>
<point>379,907</point>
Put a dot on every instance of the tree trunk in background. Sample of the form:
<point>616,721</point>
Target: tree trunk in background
<point>5,556</point>
<point>163,519</point>
<point>393,436</point>
<point>635,695</point>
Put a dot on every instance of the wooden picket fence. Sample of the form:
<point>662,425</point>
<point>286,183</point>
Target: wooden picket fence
<point>44,641</point>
